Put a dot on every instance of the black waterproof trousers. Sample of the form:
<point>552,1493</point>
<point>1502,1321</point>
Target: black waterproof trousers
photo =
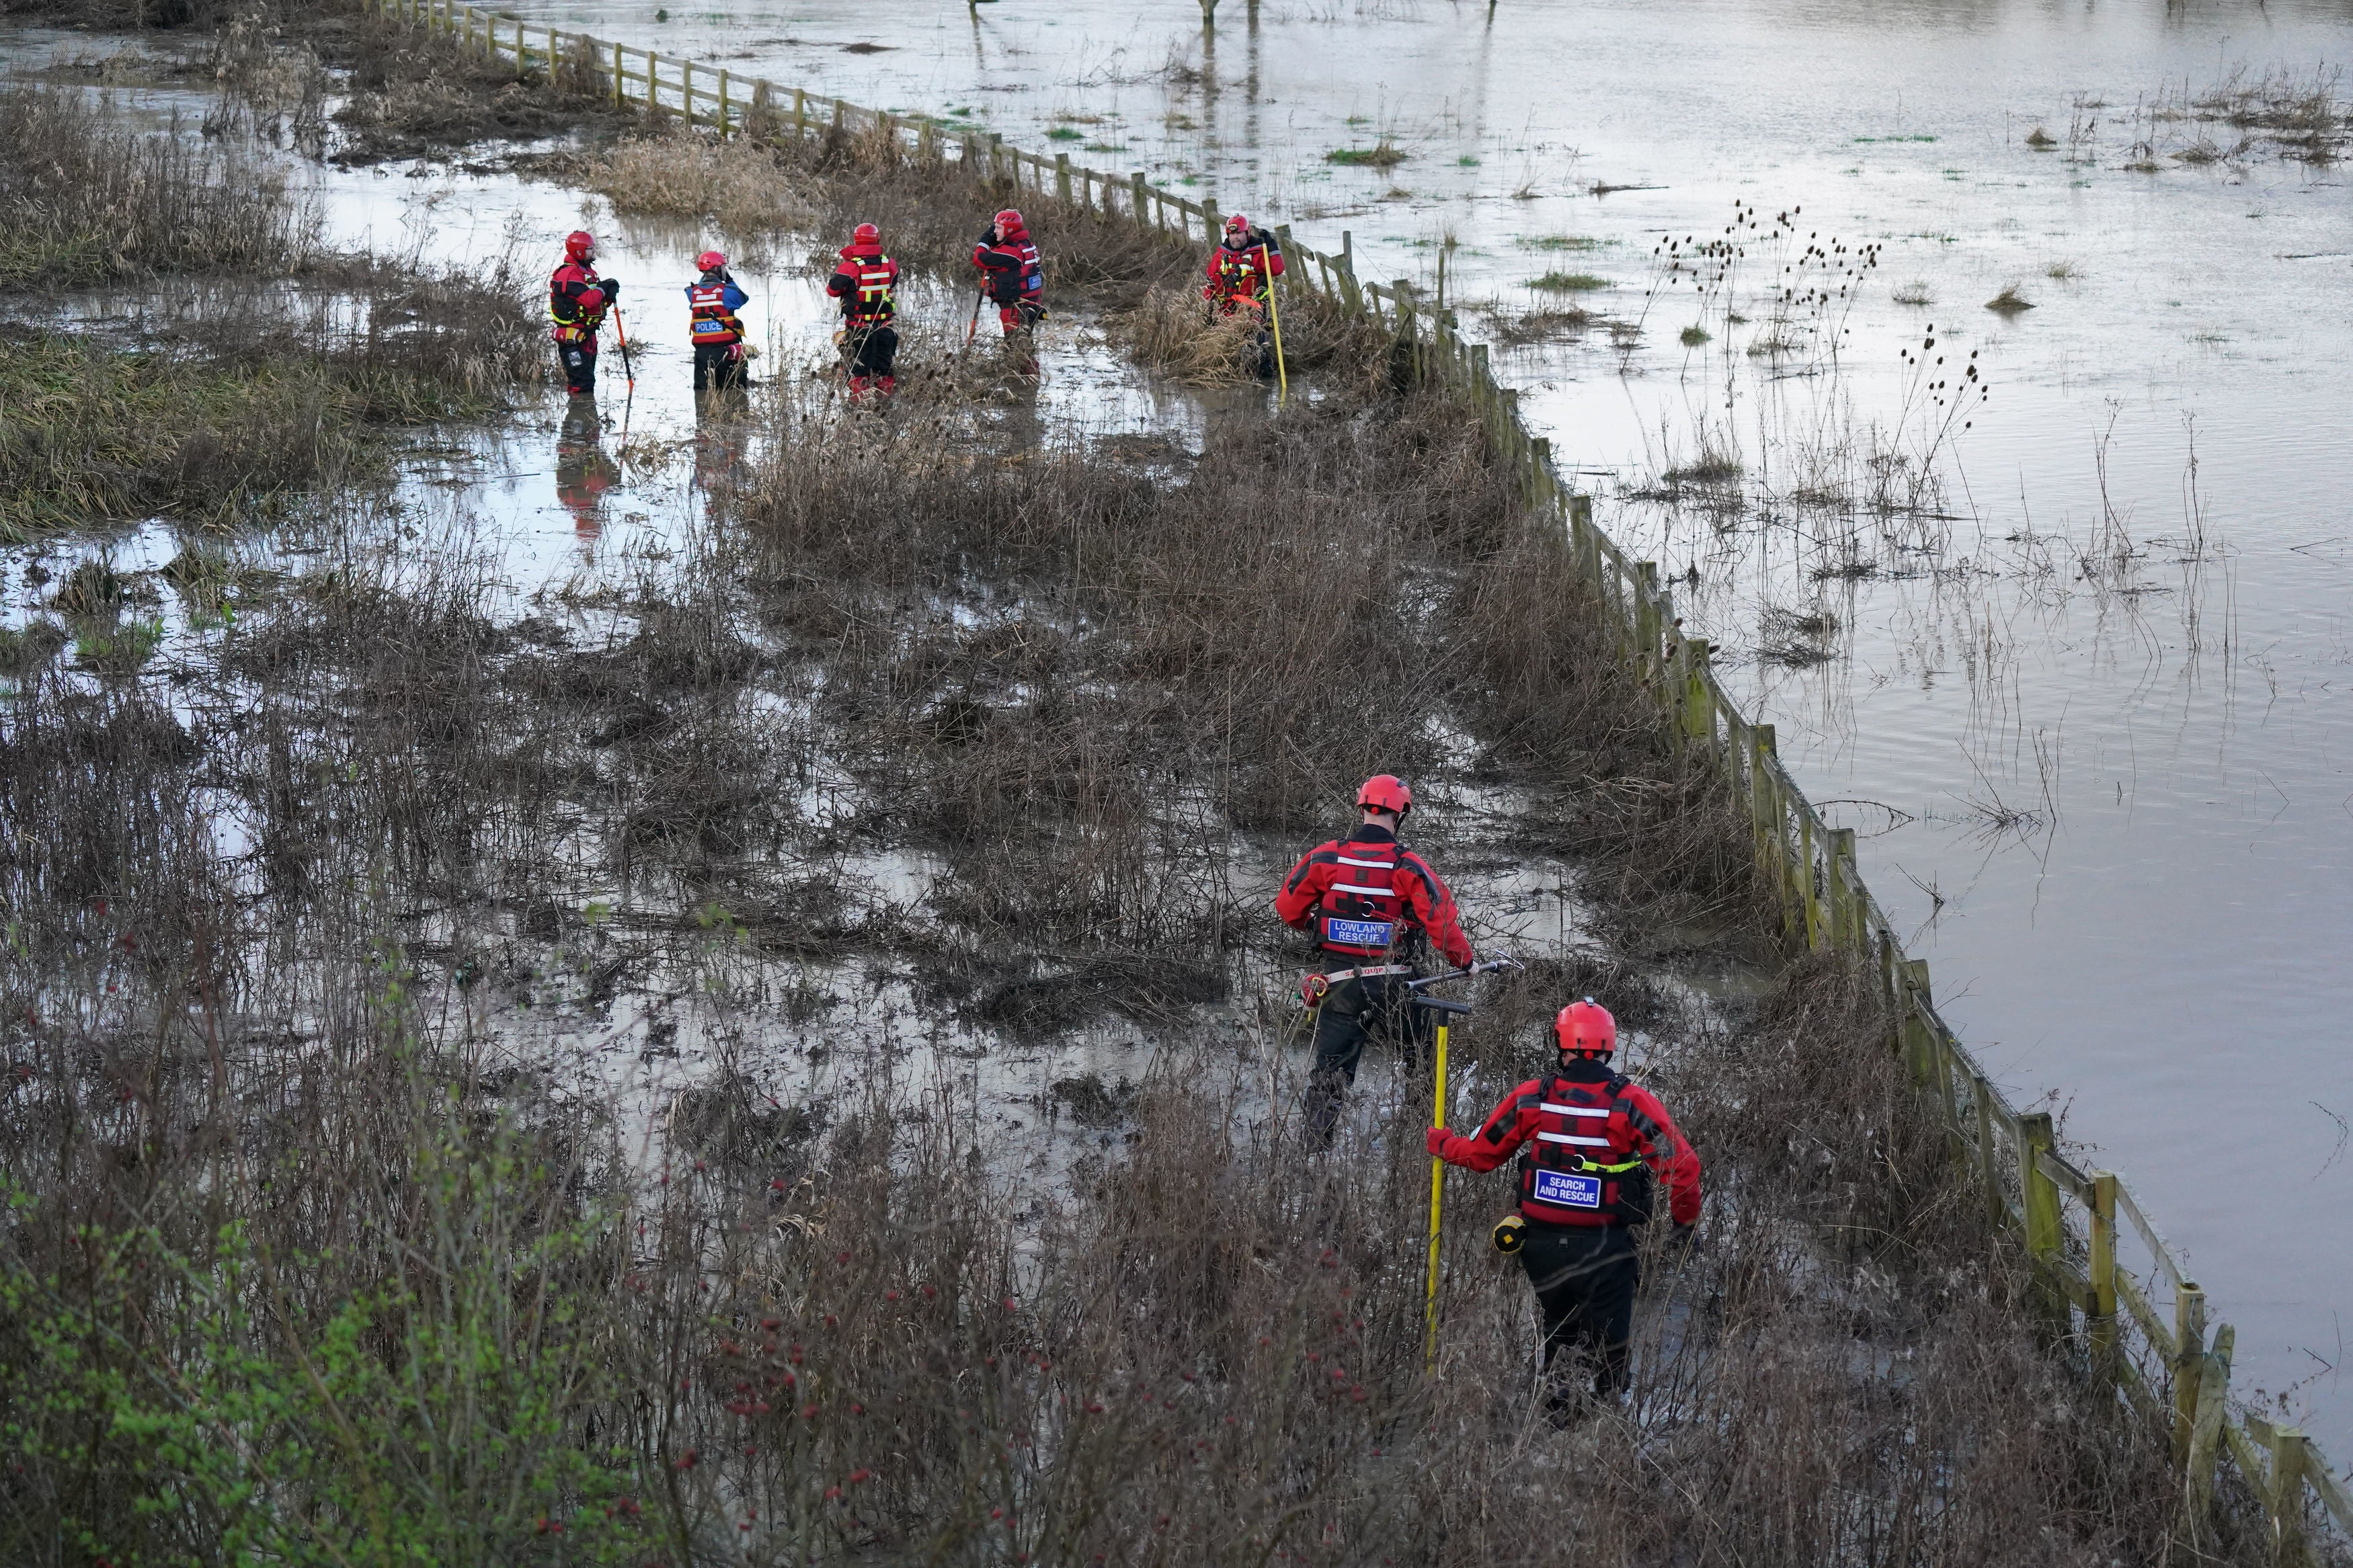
<point>718,367</point>
<point>579,365</point>
<point>1584,1278</point>
<point>872,351</point>
<point>1352,1013</point>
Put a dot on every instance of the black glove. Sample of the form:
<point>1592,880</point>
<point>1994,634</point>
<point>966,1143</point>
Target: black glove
<point>612,288</point>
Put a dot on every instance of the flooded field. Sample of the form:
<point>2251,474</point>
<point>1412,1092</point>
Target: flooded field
<point>2084,694</point>
<point>1974,681</point>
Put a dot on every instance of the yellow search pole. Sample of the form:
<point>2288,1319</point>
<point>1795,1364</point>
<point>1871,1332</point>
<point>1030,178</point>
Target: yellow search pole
<point>1437,1196</point>
<point>1282,394</point>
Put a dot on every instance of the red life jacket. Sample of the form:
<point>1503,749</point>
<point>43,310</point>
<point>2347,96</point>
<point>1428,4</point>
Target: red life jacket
<point>1363,914</point>
<point>1578,1169</point>
<point>712,321</point>
<point>1242,274</point>
<point>567,289</point>
<point>870,304</point>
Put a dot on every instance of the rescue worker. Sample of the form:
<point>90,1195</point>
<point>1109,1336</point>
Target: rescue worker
<point>576,302</point>
<point>864,282</point>
<point>711,301</point>
<point>1590,1141</point>
<point>1377,906</point>
<point>1241,270</point>
<point>1011,273</point>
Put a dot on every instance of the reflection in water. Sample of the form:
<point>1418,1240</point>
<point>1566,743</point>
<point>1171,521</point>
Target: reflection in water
<point>584,470</point>
<point>721,426</point>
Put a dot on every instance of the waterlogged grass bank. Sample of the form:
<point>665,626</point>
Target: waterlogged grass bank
<point>313,1254</point>
<point>184,347</point>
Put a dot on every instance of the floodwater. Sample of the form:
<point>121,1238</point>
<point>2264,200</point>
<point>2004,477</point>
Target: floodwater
<point>2096,717</point>
<point>2082,698</point>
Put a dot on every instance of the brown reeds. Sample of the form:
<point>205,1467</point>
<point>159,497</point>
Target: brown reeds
<point>86,199</point>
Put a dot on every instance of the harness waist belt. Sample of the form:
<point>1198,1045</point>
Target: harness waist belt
<point>1370,972</point>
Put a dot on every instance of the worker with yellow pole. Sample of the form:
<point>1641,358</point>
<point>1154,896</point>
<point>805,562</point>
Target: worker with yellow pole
<point>1590,1141</point>
<point>1241,270</point>
<point>1444,1009</point>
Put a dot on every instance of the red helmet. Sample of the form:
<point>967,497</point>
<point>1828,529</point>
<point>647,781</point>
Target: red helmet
<point>1586,1026</point>
<point>1237,221</point>
<point>1387,792</point>
<point>866,234</point>
<point>1008,219</point>
<point>579,245</point>
<point>710,261</point>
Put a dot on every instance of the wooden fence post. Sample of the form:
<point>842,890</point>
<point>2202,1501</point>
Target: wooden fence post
<point>2291,1452</point>
<point>2101,1326</point>
<point>1810,897</point>
<point>1137,193</point>
<point>1063,178</point>
<point>2037,1136</point>
<point>2188,1364</point>
<point>722,104</point>
<point>1988,1155</point>
<point>800,113</point>
<point>1760,747</point>
<point>1699,704</point>
<point>620,82</point>
<point>1919,1047</point>
<point>686,91</point>
<point>1841,888</point>
<point>2206,1435</point>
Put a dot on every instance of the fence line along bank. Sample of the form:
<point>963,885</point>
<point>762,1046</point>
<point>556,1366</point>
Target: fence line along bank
<point>2070,1220</point>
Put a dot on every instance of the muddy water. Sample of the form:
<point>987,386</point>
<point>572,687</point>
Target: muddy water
<point>563,512</point>
<point>2093,716</point>
<point>2088,712</point>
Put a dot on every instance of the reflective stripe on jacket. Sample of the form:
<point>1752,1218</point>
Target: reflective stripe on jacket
<point>1014,270</point>
<point>1369,896</point>
<point>864,283</point>
<point>1590,1142</point>
<point>1243,274</point>
<point>576,302</point>
<point>712,303</point>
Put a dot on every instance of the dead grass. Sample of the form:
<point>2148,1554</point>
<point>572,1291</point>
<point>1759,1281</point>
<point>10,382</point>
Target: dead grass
<point>299,1263</point>
<point>85,199</point>
<point>736,184</point>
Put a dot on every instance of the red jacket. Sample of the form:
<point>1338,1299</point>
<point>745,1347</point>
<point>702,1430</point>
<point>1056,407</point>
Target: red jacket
<point>1427,906</point>
<point>1639,1127</point>
<point>863,283</point>
<point>1011,268</point>
<point>1242,272</point>
<point>576,301</point>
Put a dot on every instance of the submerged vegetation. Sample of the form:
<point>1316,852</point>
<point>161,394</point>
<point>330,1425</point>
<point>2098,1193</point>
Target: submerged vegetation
<point>269,366</point>
<point>354,1213</point>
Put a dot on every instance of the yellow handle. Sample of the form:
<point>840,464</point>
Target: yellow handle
<point>1436,1195</point>
<point>1282,394</point>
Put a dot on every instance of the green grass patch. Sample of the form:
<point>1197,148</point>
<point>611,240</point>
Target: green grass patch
<point>1382,154</point>
<point>95,434</point>
<point>1559,242</point>
<point>1567,283</point>
<point>1692,337</point>
<point>1064,133</point>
